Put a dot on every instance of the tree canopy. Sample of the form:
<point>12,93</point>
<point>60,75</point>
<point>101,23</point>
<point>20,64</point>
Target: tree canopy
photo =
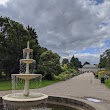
<point>13,38</point>
<point>105,60</point>
<point>75,62</point>
<point>49,64</point>
<point>86,63</point>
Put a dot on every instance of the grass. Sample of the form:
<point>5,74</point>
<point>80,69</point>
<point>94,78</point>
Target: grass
<point>107,83</point>
<point>7,85</point>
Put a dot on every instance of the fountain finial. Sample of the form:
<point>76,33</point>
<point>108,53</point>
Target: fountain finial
<point>28,44</point>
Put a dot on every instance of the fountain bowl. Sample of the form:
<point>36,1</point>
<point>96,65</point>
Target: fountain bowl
<point>27,61</point>
<point>27,50</point>
<point>27,76</point>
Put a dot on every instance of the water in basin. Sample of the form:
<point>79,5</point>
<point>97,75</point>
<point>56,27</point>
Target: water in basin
<point>50,107</point>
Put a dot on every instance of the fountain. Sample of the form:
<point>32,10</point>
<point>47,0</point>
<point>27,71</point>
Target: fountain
<point>24,100</point>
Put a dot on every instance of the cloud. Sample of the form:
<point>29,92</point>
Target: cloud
<point>88,57</point>
<point>63,26</point>
<point>83,57</point>
<point>3,2</point>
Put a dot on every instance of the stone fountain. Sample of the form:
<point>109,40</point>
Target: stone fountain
<point>24,100</point>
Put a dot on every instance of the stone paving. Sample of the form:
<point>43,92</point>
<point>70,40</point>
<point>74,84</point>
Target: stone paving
<point>79,87</point>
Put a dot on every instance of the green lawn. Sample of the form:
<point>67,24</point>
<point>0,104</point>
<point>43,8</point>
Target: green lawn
<point>7,85</point>
<point>107,83</point>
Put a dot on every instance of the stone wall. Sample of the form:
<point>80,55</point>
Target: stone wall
<point>70,103</point>
<point>73,103</point>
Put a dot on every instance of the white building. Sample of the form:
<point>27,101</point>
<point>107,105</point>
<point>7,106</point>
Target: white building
<point>87,68</point>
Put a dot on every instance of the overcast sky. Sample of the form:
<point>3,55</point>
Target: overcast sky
<point>67,27</point>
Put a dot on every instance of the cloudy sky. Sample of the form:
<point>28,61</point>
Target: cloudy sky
<point>67,27</point>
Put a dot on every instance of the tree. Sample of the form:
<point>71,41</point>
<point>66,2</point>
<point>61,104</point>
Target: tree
<point>86,63</point>
<point>65,61</point>
<point>75,62</point>
<point>13,38</point>
<point>105,60</point>
<point>49,64</point>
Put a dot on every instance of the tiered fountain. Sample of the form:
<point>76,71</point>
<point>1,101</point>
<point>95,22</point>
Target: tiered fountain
<point>24,100</point>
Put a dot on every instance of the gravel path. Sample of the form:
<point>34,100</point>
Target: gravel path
<point>80,87</point>
<point>84,85</point>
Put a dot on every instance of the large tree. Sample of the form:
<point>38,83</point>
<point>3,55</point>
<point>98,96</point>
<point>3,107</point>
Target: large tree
<point>49,64</point>
<point>13,38</point>
<point>105,60</point>
<point>75,62</point>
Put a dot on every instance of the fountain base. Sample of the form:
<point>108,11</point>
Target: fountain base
<point>18,100</point>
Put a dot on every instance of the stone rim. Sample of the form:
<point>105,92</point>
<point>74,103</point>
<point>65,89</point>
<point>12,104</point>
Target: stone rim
<point>10,98</point>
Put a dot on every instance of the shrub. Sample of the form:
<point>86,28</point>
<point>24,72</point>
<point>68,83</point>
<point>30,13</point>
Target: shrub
<point>64,69</point>
<point>63,76</point>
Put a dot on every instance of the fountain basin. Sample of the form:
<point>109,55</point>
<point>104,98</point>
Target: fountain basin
<point>18,100</point>
<point>27,76</point>
<point>70,102</point>
<point>19,97</point>
<point>27,61</point>
<point>74,104</point>
<point>27,50</point>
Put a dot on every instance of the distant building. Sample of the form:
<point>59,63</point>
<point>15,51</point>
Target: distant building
<point>87,68</point>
